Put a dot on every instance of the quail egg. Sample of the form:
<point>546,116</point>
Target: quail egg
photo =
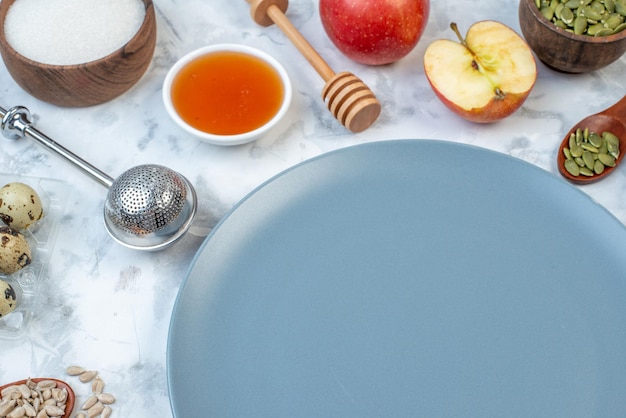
<point>15,251</point>
<point>8,298</point>
<point>20,205</point>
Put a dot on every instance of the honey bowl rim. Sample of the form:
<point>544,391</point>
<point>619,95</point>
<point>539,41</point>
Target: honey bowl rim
<point>6,45</point>
<point>234,139</point>
<point>538,16</point>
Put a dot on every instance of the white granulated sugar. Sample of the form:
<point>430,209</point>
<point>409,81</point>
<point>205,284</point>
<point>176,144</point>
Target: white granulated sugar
<point>65,32</point>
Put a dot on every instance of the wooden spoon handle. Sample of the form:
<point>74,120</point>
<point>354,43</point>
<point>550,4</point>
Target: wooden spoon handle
<point>618,110</point>
<point>266,12</point>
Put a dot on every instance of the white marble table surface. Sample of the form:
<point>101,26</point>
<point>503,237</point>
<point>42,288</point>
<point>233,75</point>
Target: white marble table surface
<point>106,307</point>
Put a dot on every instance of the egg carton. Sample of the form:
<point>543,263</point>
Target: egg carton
<point>41,238</point>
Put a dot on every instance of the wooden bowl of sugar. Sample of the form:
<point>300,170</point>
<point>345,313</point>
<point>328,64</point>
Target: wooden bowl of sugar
<point>77,53</point>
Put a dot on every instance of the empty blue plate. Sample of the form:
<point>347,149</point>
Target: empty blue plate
<point>403,279</point>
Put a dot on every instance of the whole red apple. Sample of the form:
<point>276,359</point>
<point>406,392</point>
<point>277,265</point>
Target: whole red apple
<point>374,32</point>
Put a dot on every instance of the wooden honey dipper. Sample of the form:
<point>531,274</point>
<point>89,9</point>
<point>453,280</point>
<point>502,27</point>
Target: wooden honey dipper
<point>347,97</point>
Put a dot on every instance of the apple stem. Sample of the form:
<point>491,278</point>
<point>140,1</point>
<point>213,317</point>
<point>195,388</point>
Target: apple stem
<point>455,28</point>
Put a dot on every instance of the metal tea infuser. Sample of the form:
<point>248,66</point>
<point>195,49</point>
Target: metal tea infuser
<point>148,207</point>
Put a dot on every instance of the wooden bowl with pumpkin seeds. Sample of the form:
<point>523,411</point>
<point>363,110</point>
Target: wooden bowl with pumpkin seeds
<point>574,36</point>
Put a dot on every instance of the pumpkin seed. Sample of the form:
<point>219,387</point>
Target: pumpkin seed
<point>547,12</point>
<point>613,149</point>
<point>595,140</point>
<point>590,13</point>
<point>610,137</point>
<point>588,159</point>
<point>598,7</point>
<point>588,147</point>
<point>573,4</point>
<point>614,21</point>
<point>576,151</point>
<point>567,153</point>
<point>604,32</point>
<point>572,168</point>
<point>572,140</point>
<point>607,160</point>
<point>579,136</point>
<point>580,25</point>
<point>567,16</point>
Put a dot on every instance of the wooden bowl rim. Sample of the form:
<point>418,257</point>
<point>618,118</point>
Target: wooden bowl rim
<point>4,43</point>
<point>71,396</point>
<point>575,37</point>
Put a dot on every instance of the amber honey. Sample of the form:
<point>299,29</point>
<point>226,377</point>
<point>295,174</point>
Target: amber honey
<point>227,93</point>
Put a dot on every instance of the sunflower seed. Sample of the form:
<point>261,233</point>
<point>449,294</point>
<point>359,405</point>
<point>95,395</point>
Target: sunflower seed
<point>18,412</point>
<point>53,410</point>
<point>95,410</point>
<point>7,406</point>
<point>97,386</point>
<point>91,401</point>
<point>106,412</point>
<point>75,370</point>
<point>87,376</point>
<point>106,398</point>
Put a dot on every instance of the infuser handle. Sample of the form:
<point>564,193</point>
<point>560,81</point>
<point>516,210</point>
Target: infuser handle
<point>16,124</point>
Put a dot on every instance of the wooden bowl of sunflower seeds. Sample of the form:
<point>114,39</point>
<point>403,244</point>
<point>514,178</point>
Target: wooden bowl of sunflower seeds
<point>37,397</point>
<point>574,36</point>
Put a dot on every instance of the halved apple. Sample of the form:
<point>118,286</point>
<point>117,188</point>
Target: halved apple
<point>484,77</point>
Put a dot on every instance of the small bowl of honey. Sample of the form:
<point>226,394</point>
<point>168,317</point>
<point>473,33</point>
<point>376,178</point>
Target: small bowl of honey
<point>227,94</point>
